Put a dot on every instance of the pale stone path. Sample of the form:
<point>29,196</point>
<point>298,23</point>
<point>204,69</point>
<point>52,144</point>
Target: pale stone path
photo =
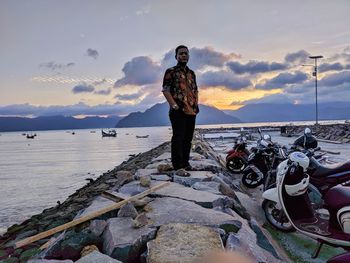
<point>181,222</point>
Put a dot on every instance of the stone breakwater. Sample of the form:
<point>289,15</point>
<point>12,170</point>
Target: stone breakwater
<point>181,222</point>
<point>334,132</point>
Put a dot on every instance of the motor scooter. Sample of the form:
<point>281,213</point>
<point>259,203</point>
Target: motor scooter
<point>292,184</point>
<point>322,179</point>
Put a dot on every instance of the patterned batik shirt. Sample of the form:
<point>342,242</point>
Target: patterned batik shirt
<point>181,83</point>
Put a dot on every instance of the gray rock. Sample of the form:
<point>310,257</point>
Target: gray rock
<point>97,226</point>
<point>204,199</point>
<point>132,188</point>
<point>187,243</point>
<point>142,202</point>
<point>127,210</point>
<point>96,256</point>
<point>123,242</point>
<point>232,242</point>
<point>99,203</point>
<point>212,187</point>
<point>140,221</point>
<point>164,156</point>
<point>204,164</point>
<point>196,176</point>
<point>145,180</point>
<point>160,177</point>
<point>224,202</point>
<point>143,172</point>
<point>168,210</point>
<point>162,168</point>
<point>39,260</point>
<point>48,261</point>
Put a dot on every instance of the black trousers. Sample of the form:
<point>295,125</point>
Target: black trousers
<point>183,128</point>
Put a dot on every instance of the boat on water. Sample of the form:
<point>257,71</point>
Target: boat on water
<point>143,136</point>
<point>109,133</point>
<point>31,136</point>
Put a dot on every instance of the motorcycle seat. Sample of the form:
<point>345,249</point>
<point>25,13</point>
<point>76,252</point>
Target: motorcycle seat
<point>324,171</point>
<point>337,197</point>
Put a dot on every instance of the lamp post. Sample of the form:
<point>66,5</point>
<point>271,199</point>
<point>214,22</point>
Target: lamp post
<point>315,75</point>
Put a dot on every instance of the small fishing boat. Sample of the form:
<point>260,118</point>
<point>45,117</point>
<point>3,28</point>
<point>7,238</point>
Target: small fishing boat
<point>144,136</point>
<point>109,133</point>
<point>31,136</point>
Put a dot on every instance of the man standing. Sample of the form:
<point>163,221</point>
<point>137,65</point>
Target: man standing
<point>181,92</point>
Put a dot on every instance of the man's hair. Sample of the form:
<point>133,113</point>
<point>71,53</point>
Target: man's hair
<point>177,49</point>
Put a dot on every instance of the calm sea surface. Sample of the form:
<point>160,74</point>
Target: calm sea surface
<point>36,173</point>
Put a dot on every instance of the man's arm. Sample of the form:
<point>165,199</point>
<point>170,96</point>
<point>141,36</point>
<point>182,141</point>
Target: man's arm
<point>170,100</point>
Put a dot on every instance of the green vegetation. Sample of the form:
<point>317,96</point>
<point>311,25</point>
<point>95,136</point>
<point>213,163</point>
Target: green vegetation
<point>300,248</point>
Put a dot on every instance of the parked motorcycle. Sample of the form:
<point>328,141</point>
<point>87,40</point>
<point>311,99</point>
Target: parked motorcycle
<point>322,179</point>
<point>262,162</point>
<point>237,158</point>
<point>292,186</point>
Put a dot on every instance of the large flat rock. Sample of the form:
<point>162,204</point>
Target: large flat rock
<point>182,243</point>
<point>176,190</point>
<point>97,204</point>
<point>196,176</point>
<point>211,187</point>
<point>97,256</point>
<point>144,172</point>
<point>203,164</point>
<point>123,242</point>
<point>168,210</point>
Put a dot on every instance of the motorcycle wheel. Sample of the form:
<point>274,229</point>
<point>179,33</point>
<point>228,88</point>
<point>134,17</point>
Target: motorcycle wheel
<point>235,165</point>
<point>275,218</point>
<point>251,180</point>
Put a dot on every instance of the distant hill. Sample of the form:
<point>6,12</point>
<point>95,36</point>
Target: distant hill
<point>291,112</point>
<point>55,123</point>
<point>158,115</point>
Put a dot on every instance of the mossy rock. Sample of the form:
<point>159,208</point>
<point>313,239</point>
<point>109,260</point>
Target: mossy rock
<point>15,228</point>
<point>10,260</point>
<point>28,254</point>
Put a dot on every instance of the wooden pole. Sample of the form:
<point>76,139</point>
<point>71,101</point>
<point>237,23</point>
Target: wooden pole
<point>87,217</point>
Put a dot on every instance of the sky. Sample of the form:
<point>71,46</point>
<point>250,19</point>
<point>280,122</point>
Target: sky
<point>108,57</point>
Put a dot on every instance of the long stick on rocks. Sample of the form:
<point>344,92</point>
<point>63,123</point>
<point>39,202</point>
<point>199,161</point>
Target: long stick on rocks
<point>85,218</point>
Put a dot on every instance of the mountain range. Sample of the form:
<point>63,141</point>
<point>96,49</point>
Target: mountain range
<point>55,123</point>
<point>269,112</point>
<point>158,115</point>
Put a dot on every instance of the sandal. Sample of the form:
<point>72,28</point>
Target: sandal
<point>182,172</point>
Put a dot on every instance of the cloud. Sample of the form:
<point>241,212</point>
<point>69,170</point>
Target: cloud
<point>335,79</point>
<point>92,53</point>
<point>126,97</point>
<point>99,82</point>
<point>324,67</point>
<point>140,71</point>
<point>103,92</point>
<point>200,58</point>
<point>70,110</point>
<point>283,79</point>
<point>53,65</point>
<point>83,88</point>
<point>254,67</point>
<point>298,57</point>
<point>223,78</point>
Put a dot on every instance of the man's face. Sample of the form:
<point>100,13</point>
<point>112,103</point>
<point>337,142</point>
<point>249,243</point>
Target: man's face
<point>182,55</point>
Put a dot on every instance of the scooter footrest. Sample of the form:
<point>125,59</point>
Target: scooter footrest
<point>314,229</point>
<point>345,222</point>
